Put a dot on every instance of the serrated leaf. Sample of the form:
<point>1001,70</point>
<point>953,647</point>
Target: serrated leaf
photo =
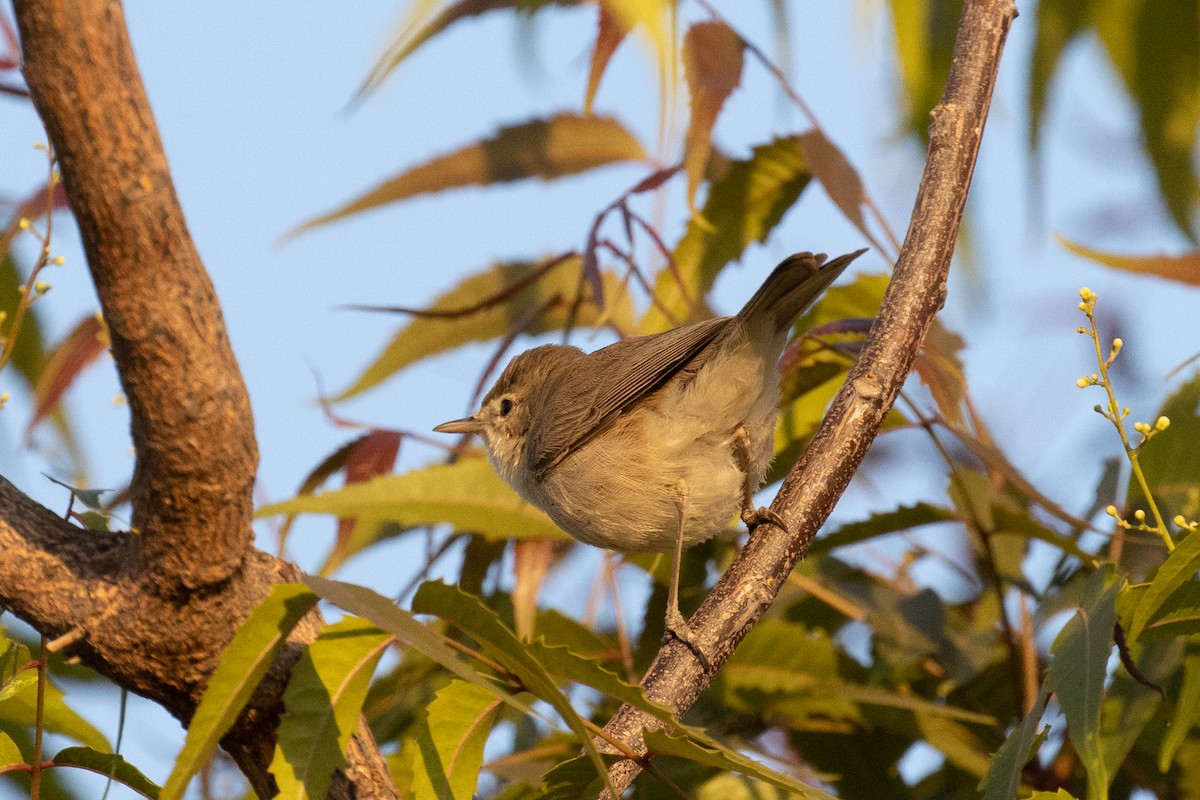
<point>1186,712</point>
<point>450,744</point>
<point>413,36</point>
<point>388,616</point>
<point>724,758</point>
<point>466,494</point>
<point>712,67</point>
<point>565,144</point>
<point>110,765</point>
<point>1183,268</point>
<point>1003,777</point>
<point>1179,568</point>
<point>470,616</point>
<point>1078,666</point>
<point>78,349</point>
<point>243,664</point>
<point>743,206</point>
<point>556,294</point>
<point>322,703</point>
<point>10,754</point>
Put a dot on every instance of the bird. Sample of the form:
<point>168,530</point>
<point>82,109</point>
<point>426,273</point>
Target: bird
<point>655,442</point>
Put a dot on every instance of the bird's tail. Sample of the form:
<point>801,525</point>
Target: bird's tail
<point>792,287</point>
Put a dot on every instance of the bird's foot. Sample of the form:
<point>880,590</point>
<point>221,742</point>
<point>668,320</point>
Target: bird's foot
<point>677,628</point>
<point>753,517</point>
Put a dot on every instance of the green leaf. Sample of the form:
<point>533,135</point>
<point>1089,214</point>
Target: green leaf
<point>1003,778</point>
<point>515,291</point>
<point>955,741</point>
<point>470,616</point>
<point>29,354</point>
<point>467,494</point>
<point>712,67</point>
<point>573,779</point>
<point>1057,23</point>
<point>1184,268</point>
<point>565,144</point>
<point>1129,706</point>
<point>743,206</point>
<point>10,754</point>
<point>383,612</point>
<point>244,662</point>
<point>1186,713</point>
<point>925,31</point>
<point>413,36</point>
<point>19,706</point>
<point>1078,665</point>
<point>322,703</point>
<point>1156,49</point>
<point>450,743</point>
<point>110,765</point>
<point>903,519</point>
<point>662,743</point>
<point>1179,569</point>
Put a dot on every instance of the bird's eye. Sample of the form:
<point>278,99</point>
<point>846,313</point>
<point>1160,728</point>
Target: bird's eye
<point>505,407</point>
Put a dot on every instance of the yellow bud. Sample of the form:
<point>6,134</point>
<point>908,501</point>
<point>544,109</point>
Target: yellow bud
<point>1083,383</point>
<point>1095,378</point>
<point>58,261</point>
<point>41,287</point>
<point>4,398</point>
<point>1083,307</point>
<point>1111,511</point>
<point>1117,345</point>
<point>23,223</point>
<point>1162,423</point>
<point>1180,521</point>
<point>1085,293</point>
<point>1139,515</point>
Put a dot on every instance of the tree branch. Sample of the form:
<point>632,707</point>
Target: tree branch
<point>153,609</point>
<point>191,423</point>
<point>915,294</point>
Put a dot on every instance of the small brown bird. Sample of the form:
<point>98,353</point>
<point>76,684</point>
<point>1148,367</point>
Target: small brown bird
<point>654,442</point>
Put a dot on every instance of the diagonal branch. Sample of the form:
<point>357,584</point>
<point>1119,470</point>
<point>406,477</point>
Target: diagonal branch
<point>914,296</point>
<point>191,423</point>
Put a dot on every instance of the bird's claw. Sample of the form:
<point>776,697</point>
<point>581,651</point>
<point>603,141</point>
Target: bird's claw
<point>677,628</point>
<point>753,517</point>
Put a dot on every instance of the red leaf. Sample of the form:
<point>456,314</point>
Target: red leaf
<point>712,65</point>
<point>1184,268</point>
<point>372,455</point>
<point>81,347</point>
<point>609,35</point>
<point>842,183</point>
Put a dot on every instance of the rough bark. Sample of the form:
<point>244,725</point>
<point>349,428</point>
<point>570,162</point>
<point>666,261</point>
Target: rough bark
<point>915,294</point>
<point>154,607</point>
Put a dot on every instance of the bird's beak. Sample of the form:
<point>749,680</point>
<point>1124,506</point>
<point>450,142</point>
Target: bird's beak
<point>464,425</point>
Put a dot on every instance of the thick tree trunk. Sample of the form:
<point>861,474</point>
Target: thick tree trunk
<point>153,608</point>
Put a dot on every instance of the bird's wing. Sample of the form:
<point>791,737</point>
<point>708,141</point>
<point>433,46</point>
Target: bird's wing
<point>609,383</point>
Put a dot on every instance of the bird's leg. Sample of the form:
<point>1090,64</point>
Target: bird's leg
<point>675,624</point>
<point>751,515</point>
